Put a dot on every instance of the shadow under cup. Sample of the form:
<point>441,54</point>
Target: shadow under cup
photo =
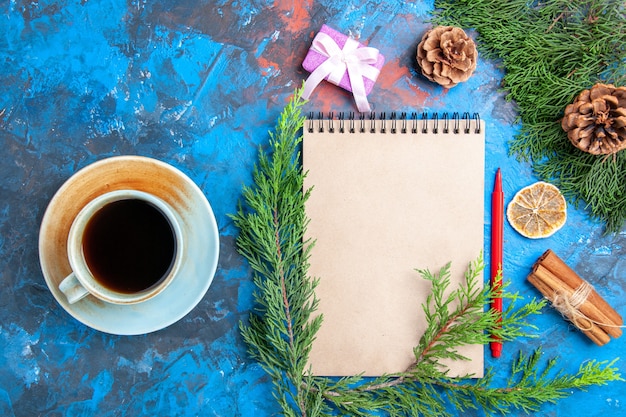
<point>125,246</point>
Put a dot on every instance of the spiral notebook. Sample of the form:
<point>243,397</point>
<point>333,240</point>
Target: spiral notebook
<point>390,195</point>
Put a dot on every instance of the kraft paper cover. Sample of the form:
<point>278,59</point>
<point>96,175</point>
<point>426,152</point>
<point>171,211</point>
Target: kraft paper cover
<point>382,206</point>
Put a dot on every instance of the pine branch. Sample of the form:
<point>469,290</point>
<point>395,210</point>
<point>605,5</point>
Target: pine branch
<point>551,51</point>
<point>531,384</point>
<point>459,319</point>
<point>272,226</point>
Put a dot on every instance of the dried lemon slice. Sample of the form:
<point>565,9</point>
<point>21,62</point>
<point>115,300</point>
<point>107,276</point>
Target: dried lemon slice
<point>537,211</point>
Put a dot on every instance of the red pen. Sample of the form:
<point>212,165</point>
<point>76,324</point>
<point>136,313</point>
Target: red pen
<point>497,231</point>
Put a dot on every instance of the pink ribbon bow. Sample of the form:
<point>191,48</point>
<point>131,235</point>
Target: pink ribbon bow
<point>357,61</point>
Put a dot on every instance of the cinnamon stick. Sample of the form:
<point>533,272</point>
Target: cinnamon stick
<point>559,268</point>
<point>594,314</point>
<point>593,332</point>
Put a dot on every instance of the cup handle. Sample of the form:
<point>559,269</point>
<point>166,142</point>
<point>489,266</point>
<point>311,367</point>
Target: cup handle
<point>72,289</point>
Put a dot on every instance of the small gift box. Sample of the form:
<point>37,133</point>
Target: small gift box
<point>342,61</point>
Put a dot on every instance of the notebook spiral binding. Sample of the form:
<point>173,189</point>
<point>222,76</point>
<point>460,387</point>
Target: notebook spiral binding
<point>403,123</point>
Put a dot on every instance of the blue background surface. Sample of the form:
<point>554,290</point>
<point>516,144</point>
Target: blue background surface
<point>198,84</point>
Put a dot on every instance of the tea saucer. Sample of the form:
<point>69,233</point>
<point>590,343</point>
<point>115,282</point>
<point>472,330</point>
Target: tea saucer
<point>172,186</point>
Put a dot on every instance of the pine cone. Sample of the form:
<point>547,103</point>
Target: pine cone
<point>596,121</point>
<point>447,55</point>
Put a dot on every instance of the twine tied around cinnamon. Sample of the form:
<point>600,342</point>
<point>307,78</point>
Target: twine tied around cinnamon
<point>569,306</point>
<point>575,299</point>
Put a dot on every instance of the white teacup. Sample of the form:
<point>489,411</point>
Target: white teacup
<point>124,247</point>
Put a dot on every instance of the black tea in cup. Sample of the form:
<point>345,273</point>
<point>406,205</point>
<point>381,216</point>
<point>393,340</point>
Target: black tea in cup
<point>129,246</point>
